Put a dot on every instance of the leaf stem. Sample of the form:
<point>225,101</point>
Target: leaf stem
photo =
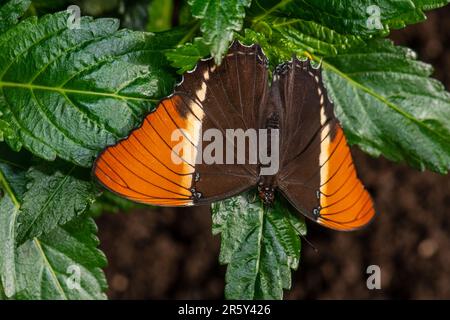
<point>64,91</point>
<point>8,190</point>
<point>190,34</point>
<point>267,12</point>
<point>262,213</point>
<point>32,10</point>
<point>52,272</point>
<point>286,23</point>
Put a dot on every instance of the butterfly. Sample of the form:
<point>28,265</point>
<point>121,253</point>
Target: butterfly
<point>315,170</point>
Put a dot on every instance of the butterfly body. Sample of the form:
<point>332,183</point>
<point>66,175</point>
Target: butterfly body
<point>293,143</point>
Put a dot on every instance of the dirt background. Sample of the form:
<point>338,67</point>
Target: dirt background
<point>170,253</point>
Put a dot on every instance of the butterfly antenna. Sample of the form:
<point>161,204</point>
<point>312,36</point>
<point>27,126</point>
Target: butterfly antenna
<point>310,244</point>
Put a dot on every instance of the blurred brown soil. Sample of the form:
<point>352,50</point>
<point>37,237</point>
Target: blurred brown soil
<point>170,253</point>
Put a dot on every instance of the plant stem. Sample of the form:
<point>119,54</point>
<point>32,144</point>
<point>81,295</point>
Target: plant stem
<point>61,90</point>
<point>8,190</point>
<point>32,10</point>
<point>275,7</point>
<point>190,34</point>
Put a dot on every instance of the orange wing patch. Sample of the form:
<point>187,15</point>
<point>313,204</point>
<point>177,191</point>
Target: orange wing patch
<point>145,166</point>
<point>344,202</point>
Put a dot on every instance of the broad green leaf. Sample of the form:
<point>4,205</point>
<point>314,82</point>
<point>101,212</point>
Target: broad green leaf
<point>389,105</point>
<point>54,196</point>
<point>219,21</point>
<point>49,267</point>
<point>430,4</point>
<point>357,17</point>
<point>70,93</point>
<point>12,186</point>
<point>260,246</point>
<point>185,57</point>
<point>297,34</point>
<point>44,267</point>
<point>282,38</point>
<point>11,11</point>
<point>160,15</point>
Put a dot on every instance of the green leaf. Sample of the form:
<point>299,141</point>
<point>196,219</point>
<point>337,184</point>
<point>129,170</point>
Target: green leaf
<point>388,104</point>
<point>259,245</point>
<point>54,197</point>
<point>352,17</point>
<point>281,38</point>
<point>430,4</point>
<point>360,17</point>
<point>10,13</point>
<point>185,57</point>
<point>48,267</point>
<point>160,15</point>
<point>12,186</point>
<point>70,93</point>
<point>416,15</point>
<point>296,34</point>
<point>45,267</point>
<point>219,21</point>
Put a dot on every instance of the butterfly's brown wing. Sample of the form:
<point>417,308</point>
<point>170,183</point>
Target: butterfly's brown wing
<point>149,167</point>
<point>317,172</point>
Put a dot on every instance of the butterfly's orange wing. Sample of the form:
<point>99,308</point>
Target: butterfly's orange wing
<point>141,167</point>
<point>344,202</point>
